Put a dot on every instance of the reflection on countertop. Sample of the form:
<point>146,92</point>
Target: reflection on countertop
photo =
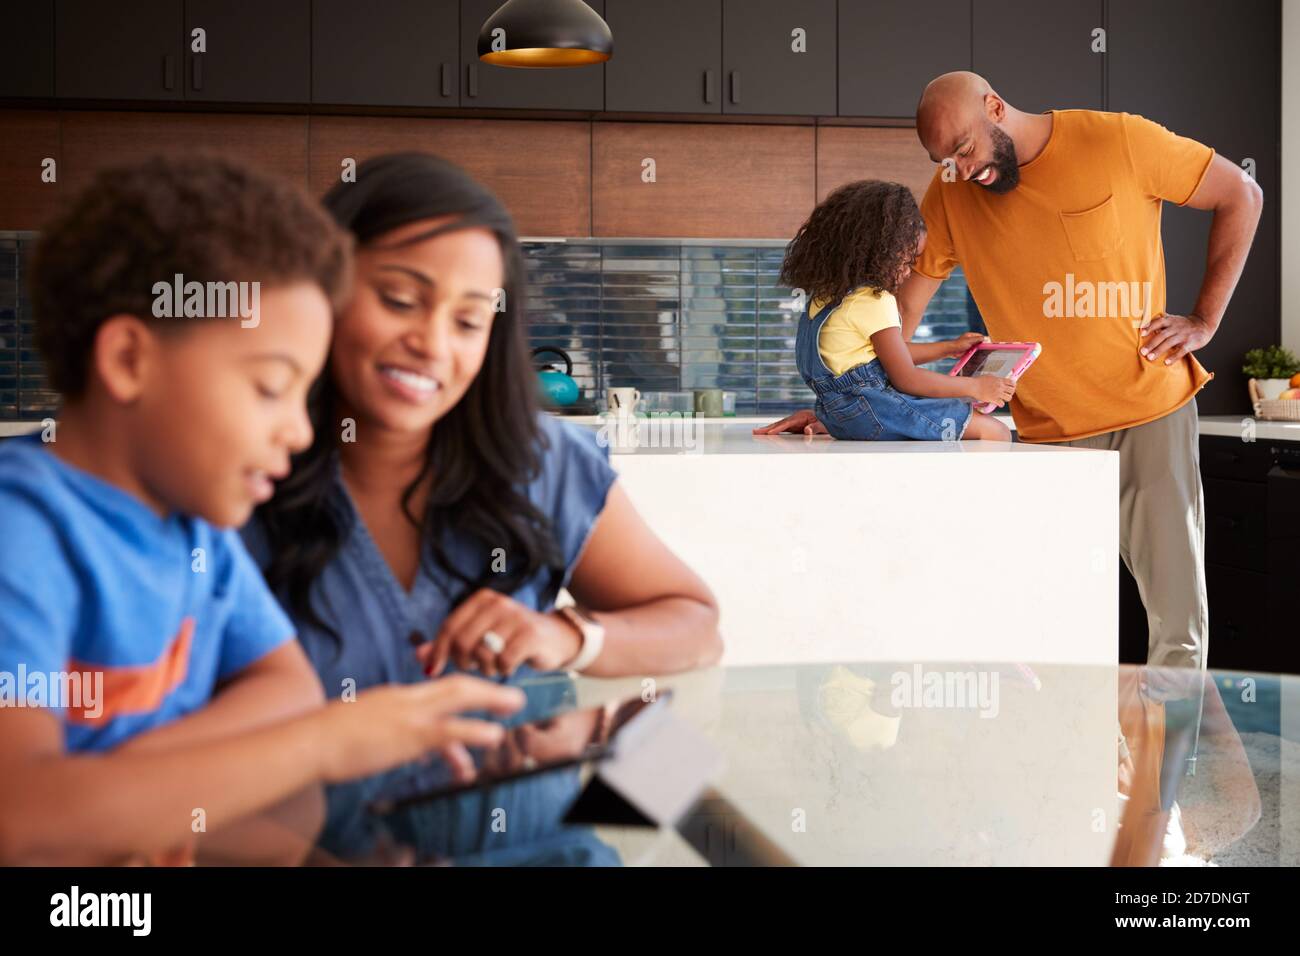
<point>876,761</point>
<point>683,436</point>
<point>1232,426</point>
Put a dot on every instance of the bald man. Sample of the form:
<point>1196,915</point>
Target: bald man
<point>1055,220</point>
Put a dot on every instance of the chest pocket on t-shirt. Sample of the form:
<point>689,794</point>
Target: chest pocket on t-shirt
<point>1093,233</point>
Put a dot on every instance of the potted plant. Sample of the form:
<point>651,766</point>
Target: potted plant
<point>1272,368</point>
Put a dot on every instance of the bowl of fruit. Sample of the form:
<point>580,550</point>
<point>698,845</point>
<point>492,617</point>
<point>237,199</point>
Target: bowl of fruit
<point>1274,375</point>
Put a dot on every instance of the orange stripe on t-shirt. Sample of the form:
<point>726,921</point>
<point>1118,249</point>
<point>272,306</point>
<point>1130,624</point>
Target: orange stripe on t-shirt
<point>139,689</point>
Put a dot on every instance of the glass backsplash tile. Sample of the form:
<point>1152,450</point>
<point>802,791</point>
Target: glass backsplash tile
<point>23,395</point>
<point>675,316</point>
<point>658,315</point>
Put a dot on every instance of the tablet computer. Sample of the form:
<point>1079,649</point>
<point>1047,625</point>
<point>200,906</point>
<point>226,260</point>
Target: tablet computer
<point>567,739</point>
<point>1003,359</point>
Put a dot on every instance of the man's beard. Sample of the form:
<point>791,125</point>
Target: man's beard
<point>1004,162</point>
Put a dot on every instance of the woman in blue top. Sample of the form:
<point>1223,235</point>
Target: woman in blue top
<point>438,512</point>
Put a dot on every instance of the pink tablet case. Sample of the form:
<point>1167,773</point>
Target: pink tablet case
<point>1031,351</point>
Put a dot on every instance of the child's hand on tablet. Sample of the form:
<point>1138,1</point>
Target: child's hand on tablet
<point>397,723</point>
<point>962,344</point>
<point>990,388</point>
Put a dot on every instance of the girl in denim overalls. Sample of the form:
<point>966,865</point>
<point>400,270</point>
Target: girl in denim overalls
<point>849,259</point>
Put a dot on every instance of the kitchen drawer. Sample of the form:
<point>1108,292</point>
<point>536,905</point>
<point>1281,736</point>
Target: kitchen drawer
<point>1224,457</point>
<point>1239,632</point>
<point>1284,496</point>
<point>1284,559</point>
<point>1236,526</point>
<point>1133,629</point>
<point>1283,620</point>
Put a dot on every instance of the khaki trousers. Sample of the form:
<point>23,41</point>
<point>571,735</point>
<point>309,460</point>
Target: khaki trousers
<point>1162,531</point>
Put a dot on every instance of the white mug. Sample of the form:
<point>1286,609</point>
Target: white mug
<point>622,401</point>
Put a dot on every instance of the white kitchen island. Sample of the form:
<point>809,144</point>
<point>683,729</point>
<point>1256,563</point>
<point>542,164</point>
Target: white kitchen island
<point>822,550</point>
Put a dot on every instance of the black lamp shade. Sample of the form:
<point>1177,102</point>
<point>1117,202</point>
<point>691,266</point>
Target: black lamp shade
<point>546,34</point>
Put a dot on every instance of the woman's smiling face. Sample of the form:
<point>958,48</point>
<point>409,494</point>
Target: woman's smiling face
<point>409,344</point>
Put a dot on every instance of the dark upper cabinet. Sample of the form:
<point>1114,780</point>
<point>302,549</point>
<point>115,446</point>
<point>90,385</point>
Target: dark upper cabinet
<point>27,49</point>
<point>257,52</point>
<point>888,53</point>
<point>386,52</point>
<point>667,56</point>
<point>254,51</point>
<point>1212,71</point>
<point>762,72</point>
<point>1159,54</point>
<point>1038,56</point>
<point>506,87</point>
<point>118,52</point>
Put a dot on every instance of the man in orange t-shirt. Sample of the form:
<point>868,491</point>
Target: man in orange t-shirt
<point>1055,220</point>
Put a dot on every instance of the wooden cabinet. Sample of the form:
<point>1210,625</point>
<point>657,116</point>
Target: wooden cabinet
<point>251,51</point>
<point>755,57</point>
<point>1239,633</point>
<point>667,56</point>
<point>1252,552</point>
<point>27,49</point>
<point>30,137</point>
<point>1283,521</point>
<point>256,52</point>
<point>1133,628</point>
<point>887,52</point>
<point>549,195</point>
<point>1212,71</point>
<point>84,141</point>
<point>754,182</point>
<point>778,57</point>
<point>849,153</point>
<point>1039,56</point>
<point>95,139</point>
<point>504,87</point>
<point>1235,533</point>
<point>385,52</point>
<point>112,52</point>
<point>1252,558</point>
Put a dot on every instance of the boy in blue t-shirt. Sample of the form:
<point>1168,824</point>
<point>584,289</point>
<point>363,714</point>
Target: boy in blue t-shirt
<point>183,308</point>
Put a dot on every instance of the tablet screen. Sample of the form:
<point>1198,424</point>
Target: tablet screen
<point>999,362</point>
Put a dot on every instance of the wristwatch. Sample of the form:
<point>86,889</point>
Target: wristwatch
<point>593,638</point>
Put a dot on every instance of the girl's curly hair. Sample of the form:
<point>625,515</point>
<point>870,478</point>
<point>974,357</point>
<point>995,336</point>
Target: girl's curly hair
<point>862,234</point>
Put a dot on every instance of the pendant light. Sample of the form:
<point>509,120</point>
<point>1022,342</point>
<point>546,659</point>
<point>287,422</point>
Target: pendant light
<point>544,34</point>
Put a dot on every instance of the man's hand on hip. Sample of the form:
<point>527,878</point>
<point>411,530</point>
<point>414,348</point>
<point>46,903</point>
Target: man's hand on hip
<point>1173,336</point>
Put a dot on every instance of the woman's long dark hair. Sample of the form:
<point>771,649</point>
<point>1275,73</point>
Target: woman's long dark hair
<point>482,452</point>
<point>862,234</point>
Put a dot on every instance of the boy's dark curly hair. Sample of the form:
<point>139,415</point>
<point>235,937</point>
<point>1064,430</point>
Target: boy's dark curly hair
<point>862,234</point>
<point>208,218</point>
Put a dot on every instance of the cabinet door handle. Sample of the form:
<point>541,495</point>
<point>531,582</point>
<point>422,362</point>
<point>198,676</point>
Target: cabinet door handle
<point>446,79</point>
<point>196,73</point>
<point>708,86</point>
<point>735,86</point>
<point>471,79</point>
<point>169,72</point>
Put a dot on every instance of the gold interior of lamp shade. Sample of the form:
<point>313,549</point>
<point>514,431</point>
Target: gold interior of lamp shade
<point>540,56</point>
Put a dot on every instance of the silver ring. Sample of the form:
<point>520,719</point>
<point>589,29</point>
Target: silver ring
<point>493,641</point>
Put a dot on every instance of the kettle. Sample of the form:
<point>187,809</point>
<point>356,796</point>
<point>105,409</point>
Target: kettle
<point>558,388</point>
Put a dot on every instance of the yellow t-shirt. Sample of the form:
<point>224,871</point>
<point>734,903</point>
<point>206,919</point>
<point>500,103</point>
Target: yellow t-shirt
<point>845,339</point>
<point>1072,258</point>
